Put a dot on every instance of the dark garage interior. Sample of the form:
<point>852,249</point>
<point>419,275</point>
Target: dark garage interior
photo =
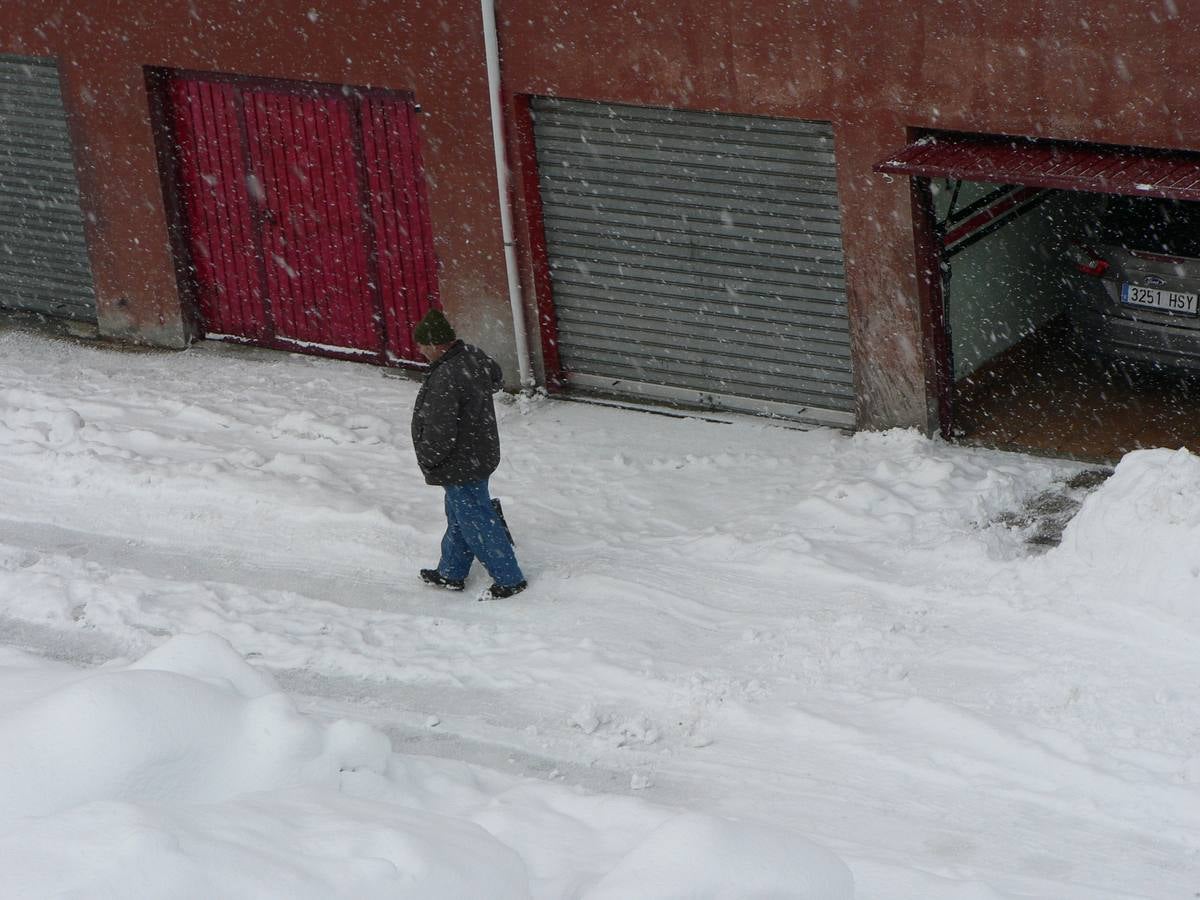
<point>1070,318</point>
<point>1044,395</point>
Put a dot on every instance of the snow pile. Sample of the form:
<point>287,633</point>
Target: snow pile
<point>843,637</point>
<point>189,722</point>
<point>1138,536</point>
<point>676,862</point>
<point>189,774</point>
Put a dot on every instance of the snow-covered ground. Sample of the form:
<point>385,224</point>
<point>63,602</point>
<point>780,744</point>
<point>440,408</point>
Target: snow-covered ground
<point>753,661</point>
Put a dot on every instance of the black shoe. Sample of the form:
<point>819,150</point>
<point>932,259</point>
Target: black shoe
<point>437,579</point>
<point>499,592</point>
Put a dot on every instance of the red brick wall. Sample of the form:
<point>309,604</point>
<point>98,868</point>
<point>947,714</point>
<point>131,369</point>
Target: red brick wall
<point>433,49</point>
<point>1118,71</point>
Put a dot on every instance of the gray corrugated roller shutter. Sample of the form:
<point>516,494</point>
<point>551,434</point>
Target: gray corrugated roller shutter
<point>43,256</point>
<point>697,257</point>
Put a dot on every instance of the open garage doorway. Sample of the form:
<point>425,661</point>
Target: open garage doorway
<point>1062,292</point>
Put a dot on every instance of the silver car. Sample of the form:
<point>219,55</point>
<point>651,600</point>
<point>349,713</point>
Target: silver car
<point>1138,300</point>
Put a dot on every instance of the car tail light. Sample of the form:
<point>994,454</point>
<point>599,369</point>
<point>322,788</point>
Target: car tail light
<point>1087,260</point>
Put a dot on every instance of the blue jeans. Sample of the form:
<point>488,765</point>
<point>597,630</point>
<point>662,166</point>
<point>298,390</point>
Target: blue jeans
<point>474,531</point>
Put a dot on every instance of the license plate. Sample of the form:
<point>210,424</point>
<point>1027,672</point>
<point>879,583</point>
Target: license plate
<point>1156,298</point>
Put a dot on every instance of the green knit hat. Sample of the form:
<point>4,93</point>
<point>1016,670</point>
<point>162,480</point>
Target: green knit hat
<point>434,329</point>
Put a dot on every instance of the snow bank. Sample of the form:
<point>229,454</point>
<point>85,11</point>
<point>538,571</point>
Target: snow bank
<point>694,856</point>
<point>1138,536</point>
<point>189,774</point>
<point>189,722</point>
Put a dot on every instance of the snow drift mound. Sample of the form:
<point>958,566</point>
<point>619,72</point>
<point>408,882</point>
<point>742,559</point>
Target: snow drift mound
<point>1139,533</point>
<point>189,722</point>
<point>696,856</point>
<point>188,774</point>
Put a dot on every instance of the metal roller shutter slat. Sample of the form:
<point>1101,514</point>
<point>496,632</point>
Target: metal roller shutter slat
<point>21,274</point>
<point>684,340</point>
<point>797,313</point>
<point>743,240</point>
<point>812,391</point>
<point>778,292</point>
<point>653,155</point>
<point>629,192</point>
<point>782,386</point>
<point>701,328</point>
<point>649,117</point>
<point>595,255</point>
<point>723,371</point>
<point>720,222</point>
<point>53,220</point>
<point>711,180</point>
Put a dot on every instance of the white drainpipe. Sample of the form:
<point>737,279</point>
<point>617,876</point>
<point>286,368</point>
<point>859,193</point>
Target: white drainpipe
<point>491,45</point>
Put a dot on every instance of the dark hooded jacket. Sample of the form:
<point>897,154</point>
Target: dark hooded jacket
<point>454,420</point>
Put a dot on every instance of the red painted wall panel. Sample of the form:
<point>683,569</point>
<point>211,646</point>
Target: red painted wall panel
<point>314,236</point>
<point>403,235</point>
<point>221,234</point>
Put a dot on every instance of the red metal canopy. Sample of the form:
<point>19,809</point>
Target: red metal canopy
<point>1174,174</point>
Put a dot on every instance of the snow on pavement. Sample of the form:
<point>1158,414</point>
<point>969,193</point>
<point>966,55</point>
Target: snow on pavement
<point>799,639</point>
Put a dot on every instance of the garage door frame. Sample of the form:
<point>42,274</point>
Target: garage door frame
<point>1013,160</point>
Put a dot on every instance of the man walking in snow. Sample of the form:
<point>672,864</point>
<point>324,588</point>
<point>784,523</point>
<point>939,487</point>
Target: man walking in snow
<point>458,447</point>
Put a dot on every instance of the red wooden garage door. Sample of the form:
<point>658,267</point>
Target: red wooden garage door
<point>306,217</point>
